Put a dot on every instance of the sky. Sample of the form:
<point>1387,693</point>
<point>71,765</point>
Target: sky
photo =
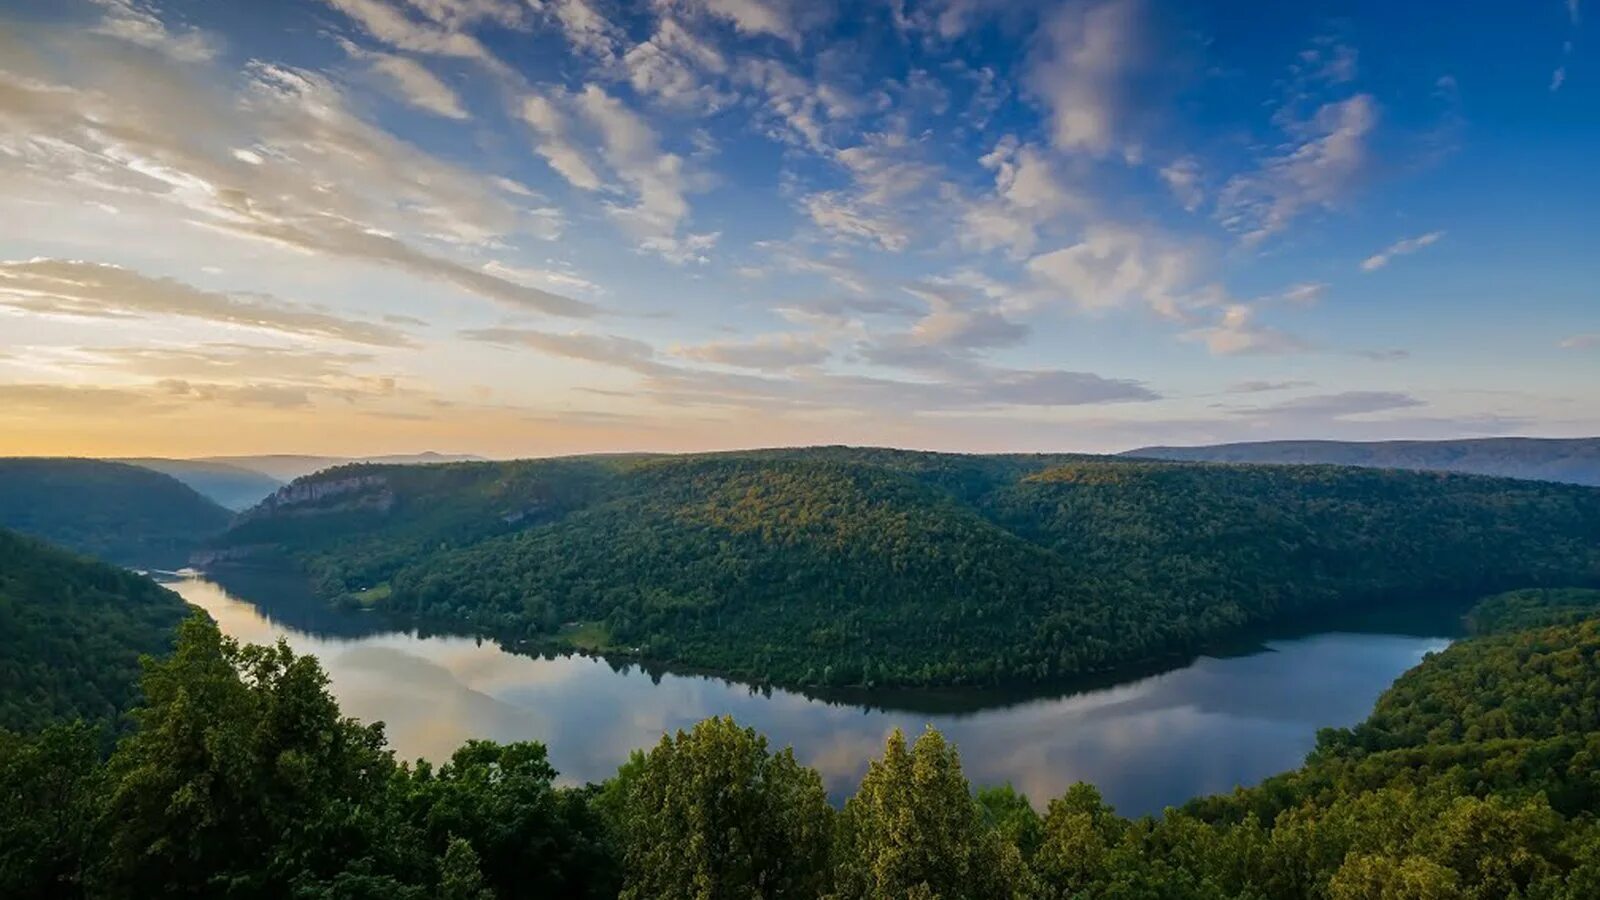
<point>534,227</point>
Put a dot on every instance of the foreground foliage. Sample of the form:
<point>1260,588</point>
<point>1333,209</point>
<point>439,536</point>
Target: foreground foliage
<point>832,566</point>
<point>1478,776</point>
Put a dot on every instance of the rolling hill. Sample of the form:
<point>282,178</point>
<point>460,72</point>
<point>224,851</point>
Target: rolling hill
<point>833,566</point>
<point>71,632</point>
<point>1570,460</point>
<point>116,512</point>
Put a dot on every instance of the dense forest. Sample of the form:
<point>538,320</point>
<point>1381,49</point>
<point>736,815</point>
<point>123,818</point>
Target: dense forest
<point>838,566</point>
<point>120,513</point>
<point>1475,777</point>
<point>1571,460</point>
<point>72,631</point>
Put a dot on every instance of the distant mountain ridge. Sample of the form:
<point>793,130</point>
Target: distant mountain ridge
<point>1568,460</point>
<point>119,513</point>
<point>240,482</point>
<point>234,487</point>
<point>287,467</point>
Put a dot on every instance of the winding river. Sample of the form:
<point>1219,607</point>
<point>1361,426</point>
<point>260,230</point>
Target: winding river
<point>1147,742</point>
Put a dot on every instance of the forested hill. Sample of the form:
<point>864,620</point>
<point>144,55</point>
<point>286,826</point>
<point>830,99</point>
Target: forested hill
<point>71,632</point>
<point>1570,460</point>
<point>116,512</point>
<point>834,566</point>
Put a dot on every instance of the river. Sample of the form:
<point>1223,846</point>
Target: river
<point>1218,721</point>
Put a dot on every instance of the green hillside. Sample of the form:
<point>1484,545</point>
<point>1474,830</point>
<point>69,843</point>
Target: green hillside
<point>71,632</point>
<point>112,511</point>
<point>838,566</point>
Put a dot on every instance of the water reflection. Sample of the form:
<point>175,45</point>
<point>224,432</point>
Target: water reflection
<point>1153,741</point>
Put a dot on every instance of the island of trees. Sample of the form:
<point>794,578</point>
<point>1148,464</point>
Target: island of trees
<point>237,777</point>
<point>837,566</point>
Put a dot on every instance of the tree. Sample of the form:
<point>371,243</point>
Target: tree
<point>501,800</point>
<point>49,784</point>
<point>459,876</point>
<point>1080,832</point>
<point>913,830</point>
<point>240,776</point>
<point>712,814</point>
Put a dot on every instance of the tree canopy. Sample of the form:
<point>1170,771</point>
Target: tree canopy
<point>834,567</point>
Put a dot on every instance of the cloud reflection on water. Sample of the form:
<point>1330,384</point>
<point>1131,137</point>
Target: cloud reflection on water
<point>1148,743</point>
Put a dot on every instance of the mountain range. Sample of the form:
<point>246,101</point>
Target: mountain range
<point>1571,460</point>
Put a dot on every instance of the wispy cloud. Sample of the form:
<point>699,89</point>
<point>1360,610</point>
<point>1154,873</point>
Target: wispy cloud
<point>96,290</point>
<point>1402,247</point>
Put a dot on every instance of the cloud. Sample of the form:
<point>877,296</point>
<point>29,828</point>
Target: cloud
<point>1580,342</point>
<point>95,290</point>
<point>259,164</point>
<point>838,214</point>
<point>552,279</point>
<point>558,150</point>
<point>773,352</point>
<point>671,66</point>
<point>1082,71</point>
<point>607,349</point>
<point>755,17</point>
<point>1237,333</point>
<point>134,22</point>
<point>58,399</point>
<point>1114,266</point>
<point>414,84</point>
<point>957,319</point>
<point>1393,354</point>
<point>1306,294</point>
<point>806,388</point>
<point>1341,405</point>
<point>1325,158</point>
<point>1182,177</point>
<point>586,29</point>
<point>1028,193</point>
<point>229,362</point>
<point>444,36</point>
<point>1262,387</point>
<point>1558,78</point>
<point>1399,248</point>
<point>656,181</point>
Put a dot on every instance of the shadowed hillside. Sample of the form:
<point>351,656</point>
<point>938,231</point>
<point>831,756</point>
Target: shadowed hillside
<point>120,513</point>
<point>71,632</point>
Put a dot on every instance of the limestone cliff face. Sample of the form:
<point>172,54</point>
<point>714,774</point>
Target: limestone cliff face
<point>308,497</point>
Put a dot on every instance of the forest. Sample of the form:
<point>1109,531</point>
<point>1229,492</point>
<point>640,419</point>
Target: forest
<point>839,566</point>
<point>119,513</point>
<point>72,631</point>
<point>1475,777</point>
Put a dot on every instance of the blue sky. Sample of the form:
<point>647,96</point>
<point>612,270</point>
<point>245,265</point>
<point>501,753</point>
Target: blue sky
<point>543,226</point>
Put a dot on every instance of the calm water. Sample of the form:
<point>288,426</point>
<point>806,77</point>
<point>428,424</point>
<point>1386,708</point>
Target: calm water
<point>1149,742</point>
